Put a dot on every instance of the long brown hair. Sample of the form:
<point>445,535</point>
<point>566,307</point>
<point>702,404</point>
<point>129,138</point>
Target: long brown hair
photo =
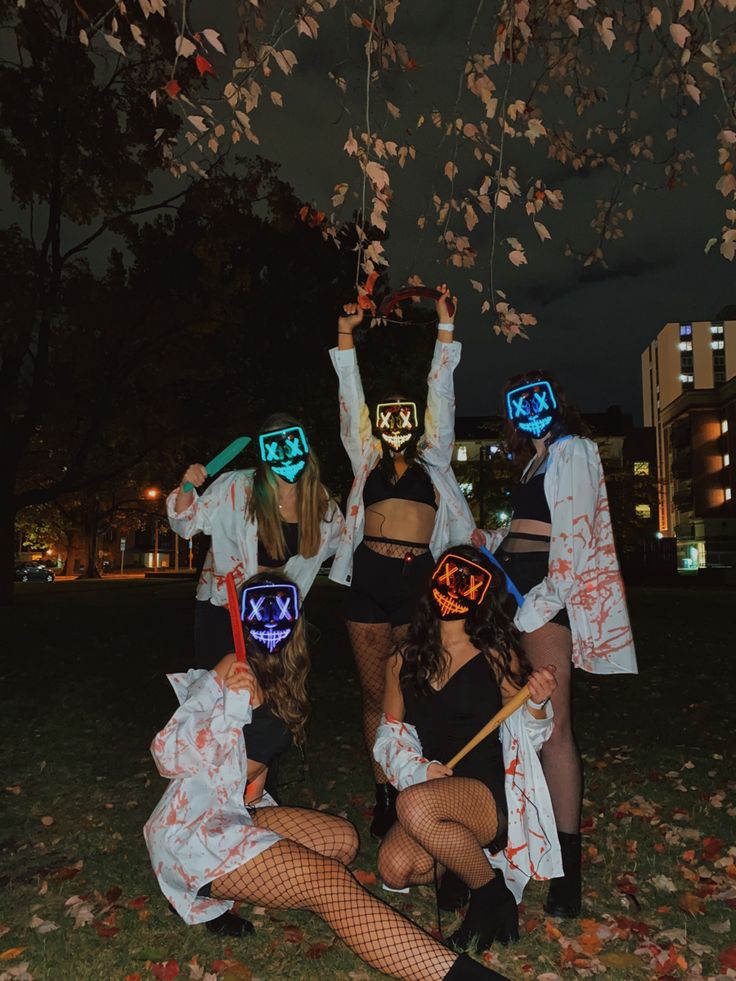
<point>311,496</point>
<point>571,423</point>
<point>490,628</point>
<point>282,675</point>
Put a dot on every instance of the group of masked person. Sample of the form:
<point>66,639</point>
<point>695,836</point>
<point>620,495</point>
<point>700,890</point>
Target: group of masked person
<point>447,623</point>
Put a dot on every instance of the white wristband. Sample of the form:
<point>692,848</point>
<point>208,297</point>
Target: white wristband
<point>449,327</point>
<point>537,706</point>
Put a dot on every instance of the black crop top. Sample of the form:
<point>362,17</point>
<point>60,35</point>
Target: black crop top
<point>529,501</point>
<point>413,485</point>
<point>291,537</point>
<point>447,719</point>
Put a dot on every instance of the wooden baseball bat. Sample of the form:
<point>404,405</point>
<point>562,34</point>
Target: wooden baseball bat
<point>235,621</point>
<point>509,708</point>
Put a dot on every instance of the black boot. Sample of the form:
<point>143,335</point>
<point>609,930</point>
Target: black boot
<point>563,897</point>
<point>492,915</point>
<point>229,925</point>
<point>466,969</point>
<point>452,894</point>
<point>384,813</point>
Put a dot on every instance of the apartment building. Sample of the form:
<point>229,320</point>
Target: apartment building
<point>689,394</point>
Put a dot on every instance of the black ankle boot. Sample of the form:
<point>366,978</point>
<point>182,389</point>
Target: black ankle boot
<point>452,893</point>
<point>492,915</point>
<point>229,925</point>
<point>466,969</point>
<point>384,813</point>
<point>563,897</point>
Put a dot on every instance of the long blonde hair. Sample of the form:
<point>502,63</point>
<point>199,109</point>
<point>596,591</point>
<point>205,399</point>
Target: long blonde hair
<point>311,496</point>
<point>282,675</point>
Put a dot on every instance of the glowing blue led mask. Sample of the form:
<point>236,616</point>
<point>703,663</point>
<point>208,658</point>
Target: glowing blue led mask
<point>533,408</point>
<point>397,423</point>
<point>285,451</point>
<point>269,612</point>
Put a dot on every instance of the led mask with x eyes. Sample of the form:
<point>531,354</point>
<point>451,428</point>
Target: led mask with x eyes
<point>269,612</point>
<point>533,408</point>
<point>396,422</point>
<point>285,451</point>
<point>458,587</point>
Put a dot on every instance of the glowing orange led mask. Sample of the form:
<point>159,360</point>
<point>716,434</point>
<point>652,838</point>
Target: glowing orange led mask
<point>458,586</point>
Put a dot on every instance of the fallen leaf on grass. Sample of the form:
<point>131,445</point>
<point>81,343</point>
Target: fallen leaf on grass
<point>132,977</point>
<point>47,821</point>
<point>13,790</point>
<point>165,971</point>
<point>4,929</point>
<point>42,926</point>
<point>18,973</point>
<point>11,952</point>
<point>727,957</point>
<point>102,930</point>
<point>365,878</point>
<point>689,902</point>
<point>723,927</point>
<point>292,934</point>
<point>317,950</point>
<point>237,972</point>
<point>622,960</point>
<point>69,871</point>
<point>138,903</point>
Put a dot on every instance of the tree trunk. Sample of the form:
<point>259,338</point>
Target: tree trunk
<point>7,546</point>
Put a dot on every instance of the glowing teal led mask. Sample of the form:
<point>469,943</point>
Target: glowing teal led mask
<point>269,611</point>
<point>285,451</point>
<point>532,408</point>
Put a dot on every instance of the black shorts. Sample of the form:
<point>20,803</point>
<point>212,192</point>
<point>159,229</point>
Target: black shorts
<point>525,570</point>
<point>384,589</point>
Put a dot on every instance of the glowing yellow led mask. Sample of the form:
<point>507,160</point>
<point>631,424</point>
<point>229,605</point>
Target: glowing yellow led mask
<point>397,423</point>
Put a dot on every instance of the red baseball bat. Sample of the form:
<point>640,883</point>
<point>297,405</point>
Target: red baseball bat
<point>235,621</point>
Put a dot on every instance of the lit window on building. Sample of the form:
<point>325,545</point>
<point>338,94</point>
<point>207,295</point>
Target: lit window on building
<point>716,328</point>
<point>688,345</point>
<point>717,345</point>
<point>726,459</point>
<point>724,426</point>
<point>641,468</point>
<point>462,454</point>
<point>643,510</point>
<point>728,493</point>
<point>686,330</point>
<point>687,379</point>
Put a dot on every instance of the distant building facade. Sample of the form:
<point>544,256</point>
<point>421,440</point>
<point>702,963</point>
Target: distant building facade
<point>689,395</point>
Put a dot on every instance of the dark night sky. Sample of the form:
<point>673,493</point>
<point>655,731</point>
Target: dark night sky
<point>594,323</point>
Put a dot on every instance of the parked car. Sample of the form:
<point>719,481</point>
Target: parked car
<point>33,570</point>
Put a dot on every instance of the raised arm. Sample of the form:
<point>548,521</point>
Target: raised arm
<point>189,513</point>
<point>355,424</point>
<point>439,418</point>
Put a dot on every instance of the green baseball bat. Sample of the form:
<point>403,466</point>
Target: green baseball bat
<point>222,459</point>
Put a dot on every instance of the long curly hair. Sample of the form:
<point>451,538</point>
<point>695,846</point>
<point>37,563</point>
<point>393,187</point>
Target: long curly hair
<point>490,628</point>
<point>311,495</point>
<point>570,422</point>
<point>282,675</point>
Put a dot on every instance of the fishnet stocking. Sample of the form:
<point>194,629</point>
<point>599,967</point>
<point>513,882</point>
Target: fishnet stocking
<point>449,819</point>
<point>325,834</point>
<point>372,645</point>
<point>563,770</point>
<point>289,876</point>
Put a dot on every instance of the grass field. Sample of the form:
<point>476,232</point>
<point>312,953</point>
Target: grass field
<point>82,691</point>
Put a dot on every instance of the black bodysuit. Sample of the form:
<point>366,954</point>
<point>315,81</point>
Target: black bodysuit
<point>447,719</point>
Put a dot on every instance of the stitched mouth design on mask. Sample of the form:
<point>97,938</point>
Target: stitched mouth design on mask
<point>289,471</point>
<point>536,427</point>
<point>270,638</point>
<point>448,605</point>
<point>396,440</point>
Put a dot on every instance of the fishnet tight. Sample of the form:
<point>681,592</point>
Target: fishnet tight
<point>563,770</point>
<point>291,875</point>
<point>373,644</point>
<point>449,819</point>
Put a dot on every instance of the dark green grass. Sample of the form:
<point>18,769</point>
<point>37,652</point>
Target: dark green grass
<point>83,691</point>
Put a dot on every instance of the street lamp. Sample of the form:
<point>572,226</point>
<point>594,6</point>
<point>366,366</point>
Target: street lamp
<point>153,493</point>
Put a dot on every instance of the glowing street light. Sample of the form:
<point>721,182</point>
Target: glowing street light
<point>152,493</point>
